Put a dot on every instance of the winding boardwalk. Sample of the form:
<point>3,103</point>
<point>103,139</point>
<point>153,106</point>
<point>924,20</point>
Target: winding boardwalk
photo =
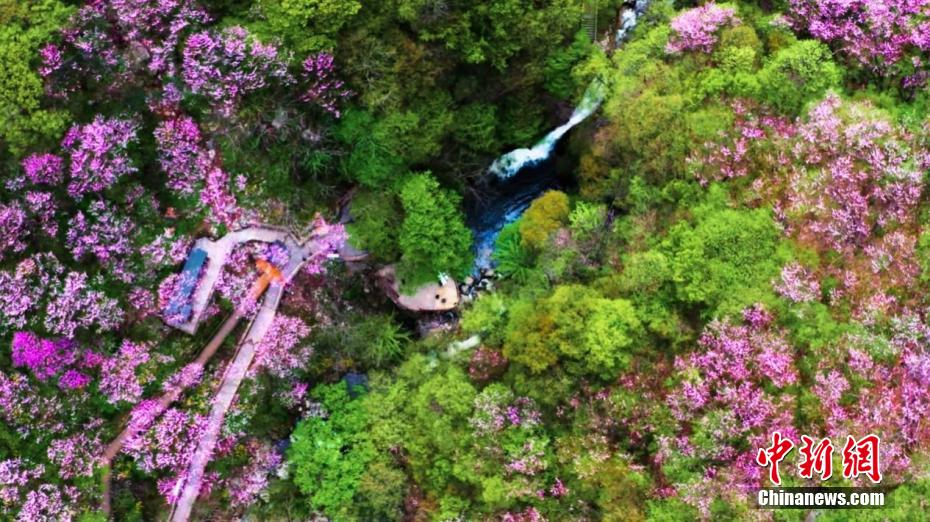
<point>272,281</point>
<point>172,395</point>
<point>217,251</point>
<point>233,376</point>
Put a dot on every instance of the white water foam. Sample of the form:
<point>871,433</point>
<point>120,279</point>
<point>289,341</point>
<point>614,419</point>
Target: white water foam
<point>511,163</point>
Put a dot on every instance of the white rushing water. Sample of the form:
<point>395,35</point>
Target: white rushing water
<point>518,192</point>
<point>511,163</point>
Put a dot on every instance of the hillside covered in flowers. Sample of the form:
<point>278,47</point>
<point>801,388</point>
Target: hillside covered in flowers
<point>223,224</point>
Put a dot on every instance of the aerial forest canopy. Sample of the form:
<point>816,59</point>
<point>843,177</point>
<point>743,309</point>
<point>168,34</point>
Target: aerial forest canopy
<point>255,263</point>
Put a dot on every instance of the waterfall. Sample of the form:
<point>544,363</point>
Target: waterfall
<point>514,193</point>
<point>511,163</point>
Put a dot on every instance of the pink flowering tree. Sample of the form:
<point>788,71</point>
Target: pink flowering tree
<point>20,219</point>
<point>854,172</point>
<point>77,304</point>
<point>16,476</point>
<point>108,43</point>
<point>888,37</point>
<point>227,65</point>
<point>13,223</point>
<point>181,154</point>
<point>323,87</point>
<point>509,440</point>
<point>120,377</point>
<point>23,495</point>
<point>696,29</point>
<point>76,455</point>
<point>731,394</point>
<point>754,142</point>
<point>798,284</point>
<point>876,381</point>
<point>165,448</point>
<point>26,411</point>
<point>282,350</point>
<point>43,357</point>
<point>43,209</point>
<point>844,178</point>
<point>100,232</point>
<point>44,169</point>
<point>98,154</point>
<point>42,294</point>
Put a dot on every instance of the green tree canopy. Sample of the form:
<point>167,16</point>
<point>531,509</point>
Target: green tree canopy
<point>589,333</point>
<point>433,236</point>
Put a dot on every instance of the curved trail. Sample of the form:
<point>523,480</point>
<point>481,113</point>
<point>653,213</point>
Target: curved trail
<point>230,383</point>
<point>172,395</point>
<point>217,252</point>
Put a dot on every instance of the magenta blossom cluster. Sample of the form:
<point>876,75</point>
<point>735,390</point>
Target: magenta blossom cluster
<point>43,357</point>
<point>878,382</point>
<point>838,176</point>
<point>24,410</point>
<point>748,147</point>
<point>109,41</point>
<point>282,351</point>
<point>169,248</point>
<point>323,88</point>
<point>181,154</point>
<point>44,169</point>
<point>486,363</point>
<point>166,447</point>
<point>98,153</point>
<point>528,459</point>
<point>277,254</point>
<point>855,172</point>
<point>496,409</point>
<point>76,304</point>
<point>529,514</point>
<point>119,381</point>
<point>70,301</point>
<point>18,220</point>
<point>239,273</point>
<point>102,233</point>
<point>328,239</point>
<point>732,391</point>
<point>246,485</point>
<point>15,477</point>
<point>157,27</point>
<point>217,197</point>
<point>13,224</point>
<point>225,66</point>
<point>43,209</point>
<point>878,35</point>
<point>21,289</point>
<point>24,499</point>
<point>696,29</point>
<point>50,502</point>
<point>76,455</point>
<point>798,284</point>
